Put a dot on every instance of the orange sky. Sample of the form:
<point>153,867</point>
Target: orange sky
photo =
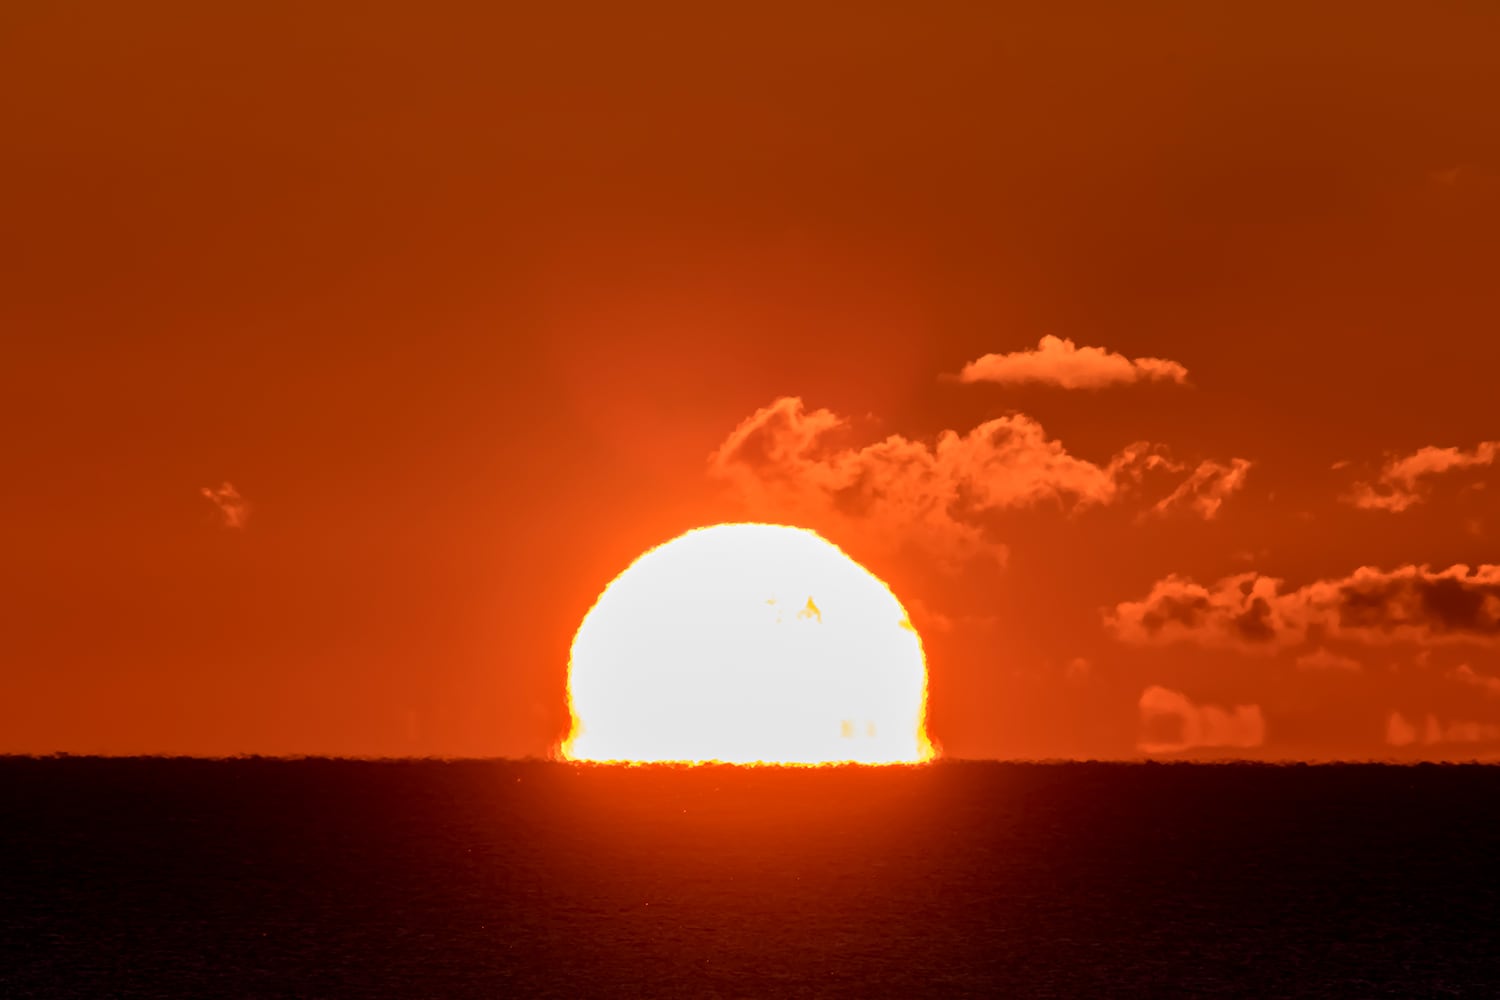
<point>472,307</point>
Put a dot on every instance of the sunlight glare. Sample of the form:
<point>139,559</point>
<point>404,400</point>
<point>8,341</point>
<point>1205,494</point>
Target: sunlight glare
<point>747,643</point>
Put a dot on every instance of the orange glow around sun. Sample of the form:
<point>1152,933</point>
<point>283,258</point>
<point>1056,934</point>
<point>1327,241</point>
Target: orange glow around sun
<point>747,644</point>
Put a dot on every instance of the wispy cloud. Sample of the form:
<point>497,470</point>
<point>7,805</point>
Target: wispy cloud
<point>1205,491</point>
<point>234,509</point>
<point>1463,176</point>
<point>1327,659</point>
<point>1060,362</point>
<point>1465,674</point>
<point>1404,482</point>
<point>1077,670</point>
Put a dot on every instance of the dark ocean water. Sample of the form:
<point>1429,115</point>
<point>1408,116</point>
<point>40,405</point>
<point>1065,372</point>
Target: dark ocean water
<point>261,878</point>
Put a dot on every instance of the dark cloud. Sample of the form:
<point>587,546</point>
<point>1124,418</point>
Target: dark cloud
<point>1250,611</point>
<point>1418,604</point>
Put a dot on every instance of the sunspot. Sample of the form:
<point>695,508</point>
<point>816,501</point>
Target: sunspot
<point>744,644</point>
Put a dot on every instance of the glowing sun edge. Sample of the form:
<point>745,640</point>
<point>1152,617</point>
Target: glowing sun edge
<point>927,749</point>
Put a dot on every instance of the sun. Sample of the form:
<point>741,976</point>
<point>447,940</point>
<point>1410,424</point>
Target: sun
<point>746,644</point>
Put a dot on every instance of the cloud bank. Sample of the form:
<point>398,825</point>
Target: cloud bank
<point>1401,733</point>
<point>1060,362</point>
<point>1172,723</point>
<point>788,461</point>
<point>1253,612</point>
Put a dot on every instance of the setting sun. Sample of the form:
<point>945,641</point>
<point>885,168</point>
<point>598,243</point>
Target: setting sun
<point>747,643</point>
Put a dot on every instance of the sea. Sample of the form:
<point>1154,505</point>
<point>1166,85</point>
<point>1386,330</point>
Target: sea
<point>251,877</point>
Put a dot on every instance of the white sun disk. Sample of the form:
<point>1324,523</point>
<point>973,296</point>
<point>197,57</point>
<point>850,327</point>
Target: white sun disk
<point>747,643</point>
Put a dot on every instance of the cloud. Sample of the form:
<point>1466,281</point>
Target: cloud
<point>1245,611</point>
<point>1401,483</point>
<point>1326,659</point>
<point>1205,491</point>
<point>1460,732</point>
<point>1449,176</point>
<point>233,508</point>
<point>1465,674</point>
<point>1463,176</point>
<point>1253,612</point>
<point>1401,733</point>
<point>1061,363</point>
<point>784,457</point>
<point>788,461</point>
<point>928,619</point>
<point>1172,723</point>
